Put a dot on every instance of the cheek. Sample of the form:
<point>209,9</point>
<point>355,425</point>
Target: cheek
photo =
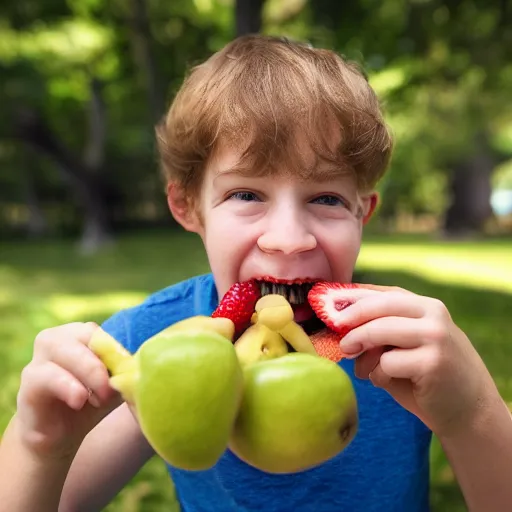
<point>227,242</point>
<point>341,245</point>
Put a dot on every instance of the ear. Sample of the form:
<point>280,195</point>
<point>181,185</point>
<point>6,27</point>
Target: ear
<point>182,208</point>
<point>370,203</point>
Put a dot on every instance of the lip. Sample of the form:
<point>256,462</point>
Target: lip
<point>284,280</point>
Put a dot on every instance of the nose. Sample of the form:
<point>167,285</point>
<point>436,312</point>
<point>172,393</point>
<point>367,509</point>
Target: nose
<point>286,232</point>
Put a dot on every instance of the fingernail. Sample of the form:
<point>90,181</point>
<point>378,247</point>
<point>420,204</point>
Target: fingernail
<point>350,348</point>
<point>354,356</point>
<point>94,401</point>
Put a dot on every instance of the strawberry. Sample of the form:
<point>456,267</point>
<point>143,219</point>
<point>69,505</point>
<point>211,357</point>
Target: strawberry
<point>327,299</point>
<point>238,304</point>
<point>327,344</point>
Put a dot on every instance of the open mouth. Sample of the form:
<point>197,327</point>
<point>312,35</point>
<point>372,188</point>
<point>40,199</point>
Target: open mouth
<point>296,293</point>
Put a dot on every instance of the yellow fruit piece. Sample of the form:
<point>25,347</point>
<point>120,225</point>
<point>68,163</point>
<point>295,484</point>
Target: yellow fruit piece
<point>124,383</point>
<point>272,300</point>
<point>115,357</point>
<point>259,343</point>
<point>296,336</point>
<point>274,311</point>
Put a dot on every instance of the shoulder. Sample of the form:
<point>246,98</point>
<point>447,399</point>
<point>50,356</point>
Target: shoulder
<point>132,326</point>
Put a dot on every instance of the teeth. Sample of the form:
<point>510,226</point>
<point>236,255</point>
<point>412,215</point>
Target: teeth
<point>266,289</point>
<point>300,294</point>
<point>295,294</point>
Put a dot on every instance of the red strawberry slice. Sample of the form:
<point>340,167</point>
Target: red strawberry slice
<point>238,304</point>
<point>327,344</point>
<point>327,299</point>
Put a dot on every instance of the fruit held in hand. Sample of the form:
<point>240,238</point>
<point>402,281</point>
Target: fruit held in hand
<point>186,386</point>
<point>327,344</point>
<point>328,299</point>
<point>297,411</point>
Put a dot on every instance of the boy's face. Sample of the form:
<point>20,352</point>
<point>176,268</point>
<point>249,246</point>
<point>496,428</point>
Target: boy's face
<point>277,226</point>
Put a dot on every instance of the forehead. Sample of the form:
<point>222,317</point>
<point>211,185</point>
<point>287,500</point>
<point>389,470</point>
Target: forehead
<point>299,159</point>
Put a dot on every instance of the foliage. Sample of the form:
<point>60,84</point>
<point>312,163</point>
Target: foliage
<point>443,86</point>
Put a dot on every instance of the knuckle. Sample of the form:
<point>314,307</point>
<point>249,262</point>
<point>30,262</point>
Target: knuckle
<point>94,369</point>
<point>436,333</point>
<point>439,308</point>
<point>26,374</point>
<point>60,379</point>
<point>44,337</point>
<point>367,335</point>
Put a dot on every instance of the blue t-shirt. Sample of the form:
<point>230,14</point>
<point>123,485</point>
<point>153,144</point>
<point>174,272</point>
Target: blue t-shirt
<point>384,469</point>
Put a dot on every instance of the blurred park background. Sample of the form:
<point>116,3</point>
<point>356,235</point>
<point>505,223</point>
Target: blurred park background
<point>84,228</point>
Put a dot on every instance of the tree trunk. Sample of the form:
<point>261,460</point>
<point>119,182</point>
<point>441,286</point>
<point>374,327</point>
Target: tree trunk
<point>37,226</point>
<point>248,14</point>
<point>145,59</point>
<point>85,185</point>
<point>470,188</point>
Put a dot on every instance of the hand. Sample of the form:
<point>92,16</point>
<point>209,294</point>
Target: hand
<point>411,348</point>
<point>64,391</point>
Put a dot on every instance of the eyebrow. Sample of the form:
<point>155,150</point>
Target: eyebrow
<point>235,170</point>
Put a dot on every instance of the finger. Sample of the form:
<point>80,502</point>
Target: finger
<point>81,362</point>
<point>400,389</point>
<point>387,331</point>
<point>48,382</point>
<point>405,364</point>
<point>383,288</point>
<point>47,338</point>
<point>379,305</point>
<point>367,362</point>
<point>379,377</point>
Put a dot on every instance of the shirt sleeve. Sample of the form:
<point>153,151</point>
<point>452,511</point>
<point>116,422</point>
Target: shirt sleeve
<point>117,328</point>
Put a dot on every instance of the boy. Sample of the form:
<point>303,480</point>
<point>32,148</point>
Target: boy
<point>271,152</point>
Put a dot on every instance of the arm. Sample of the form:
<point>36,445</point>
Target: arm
<point>29,482</point>
<point>110,456</point>
<point>411,348</point>
<point>481,458</point>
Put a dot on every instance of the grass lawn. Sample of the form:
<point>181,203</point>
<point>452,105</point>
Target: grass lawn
<point>45,284</point>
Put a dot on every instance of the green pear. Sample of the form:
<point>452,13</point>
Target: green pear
<point>297,411</point>
<point>259,343</point>
<point>186,387</point>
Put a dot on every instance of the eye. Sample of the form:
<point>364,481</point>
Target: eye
<point>244,195</point>
<point>330,200</point>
